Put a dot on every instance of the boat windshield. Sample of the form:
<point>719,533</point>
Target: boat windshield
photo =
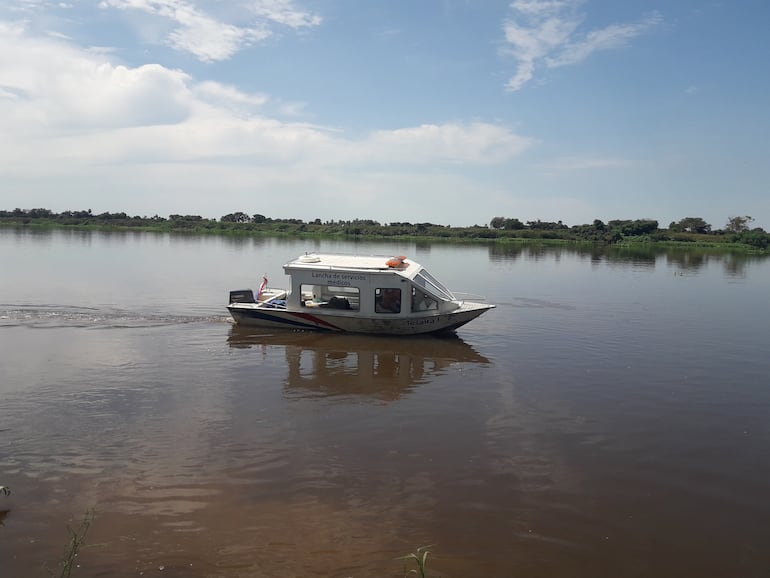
<point>429,282</point>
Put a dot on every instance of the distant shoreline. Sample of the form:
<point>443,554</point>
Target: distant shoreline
<point>506,231</point>
<point>507,240</point>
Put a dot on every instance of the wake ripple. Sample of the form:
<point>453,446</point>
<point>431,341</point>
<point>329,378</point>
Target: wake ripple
<point>55,316</point>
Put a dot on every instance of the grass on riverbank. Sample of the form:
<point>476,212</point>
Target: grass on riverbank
<point>420,233</point>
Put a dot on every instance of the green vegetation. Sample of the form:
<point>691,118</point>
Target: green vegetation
<point>6,491</point>
<point>690,230</point>
<point>77,538</point>
<point>420,559</point>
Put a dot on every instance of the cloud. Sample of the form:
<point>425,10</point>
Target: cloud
<point>284,12</point>
<point>58,88</point>
<point>224,94</point>
<point>477,143</point>
<point>26,6</point>
<point>211,39</point>
<point>547,32</point>
<point>607,38</point>
<point>76,113</point>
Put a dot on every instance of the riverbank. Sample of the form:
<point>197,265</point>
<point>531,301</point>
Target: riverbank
<point>615,233</point>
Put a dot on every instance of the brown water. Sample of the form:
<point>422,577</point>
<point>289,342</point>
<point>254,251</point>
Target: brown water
<point>609,418</point>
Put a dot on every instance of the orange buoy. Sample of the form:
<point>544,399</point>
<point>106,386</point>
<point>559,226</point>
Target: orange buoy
<point>396,261</point>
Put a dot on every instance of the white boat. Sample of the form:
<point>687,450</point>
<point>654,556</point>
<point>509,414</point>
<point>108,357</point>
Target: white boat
<point>357,294</point>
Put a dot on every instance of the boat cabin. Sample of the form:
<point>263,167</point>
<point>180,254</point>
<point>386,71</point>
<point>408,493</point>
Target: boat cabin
<point>364,285</point>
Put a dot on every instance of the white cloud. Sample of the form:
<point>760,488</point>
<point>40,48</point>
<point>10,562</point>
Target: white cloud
<point>478,143</point>
<point>224,94</point>
<point>26,6</point>
<point>292,108</point>
<point>547,32</point>
<point>607,38</point>
<point>210,38</point>
<point>60,88</point>
<point>284,12</point>
<point>73,124</point>
<point>540,7</point>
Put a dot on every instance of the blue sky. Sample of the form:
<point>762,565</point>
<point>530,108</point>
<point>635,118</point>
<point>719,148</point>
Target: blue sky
<point>448,111</point>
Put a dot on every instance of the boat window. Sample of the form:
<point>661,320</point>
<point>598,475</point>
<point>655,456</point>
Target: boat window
<point>387,300</point>
<point>330,297</point>
<point>427,281</point>
<point>422,301</point>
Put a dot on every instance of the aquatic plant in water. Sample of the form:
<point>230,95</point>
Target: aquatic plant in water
<point>420,558</point>
<point>3,513</point>
<point>77,537</point>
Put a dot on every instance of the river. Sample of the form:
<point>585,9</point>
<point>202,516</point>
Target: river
<point>609,418</point>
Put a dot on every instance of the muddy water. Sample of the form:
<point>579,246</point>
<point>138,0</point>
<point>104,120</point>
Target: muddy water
<point>610,417</point>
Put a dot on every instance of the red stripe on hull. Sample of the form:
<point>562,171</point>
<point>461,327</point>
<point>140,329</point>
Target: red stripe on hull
<point>318,320</point>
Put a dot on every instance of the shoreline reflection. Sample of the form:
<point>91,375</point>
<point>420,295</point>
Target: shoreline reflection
<point>645,257</point>
<point>384,368</point>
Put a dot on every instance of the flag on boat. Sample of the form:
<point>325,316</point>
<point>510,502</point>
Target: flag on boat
<point>261,287</point>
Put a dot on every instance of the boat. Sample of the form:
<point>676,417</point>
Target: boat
<point>356,294</point>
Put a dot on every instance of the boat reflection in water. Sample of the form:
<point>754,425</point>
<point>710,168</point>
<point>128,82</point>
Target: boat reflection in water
<point>383,368</point>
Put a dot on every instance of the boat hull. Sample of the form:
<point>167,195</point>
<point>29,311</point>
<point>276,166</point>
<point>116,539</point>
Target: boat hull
<point>256,315</point>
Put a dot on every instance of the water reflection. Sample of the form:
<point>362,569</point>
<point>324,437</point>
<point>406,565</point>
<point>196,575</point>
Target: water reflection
<point>683,259</point>
<point>383,368</point>
<point>735,265</point>
<point>638,255</point>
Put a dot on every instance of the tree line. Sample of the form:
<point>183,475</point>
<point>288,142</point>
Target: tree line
<point>689,229</point>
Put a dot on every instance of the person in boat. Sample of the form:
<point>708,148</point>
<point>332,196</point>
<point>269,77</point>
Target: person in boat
<point>336,303</point>
<point>388,301</point>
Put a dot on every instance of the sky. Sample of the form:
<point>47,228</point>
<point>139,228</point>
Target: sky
<point>444,111</point>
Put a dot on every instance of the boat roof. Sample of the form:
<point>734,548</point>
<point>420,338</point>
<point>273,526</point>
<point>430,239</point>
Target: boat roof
<point>333,261</point>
